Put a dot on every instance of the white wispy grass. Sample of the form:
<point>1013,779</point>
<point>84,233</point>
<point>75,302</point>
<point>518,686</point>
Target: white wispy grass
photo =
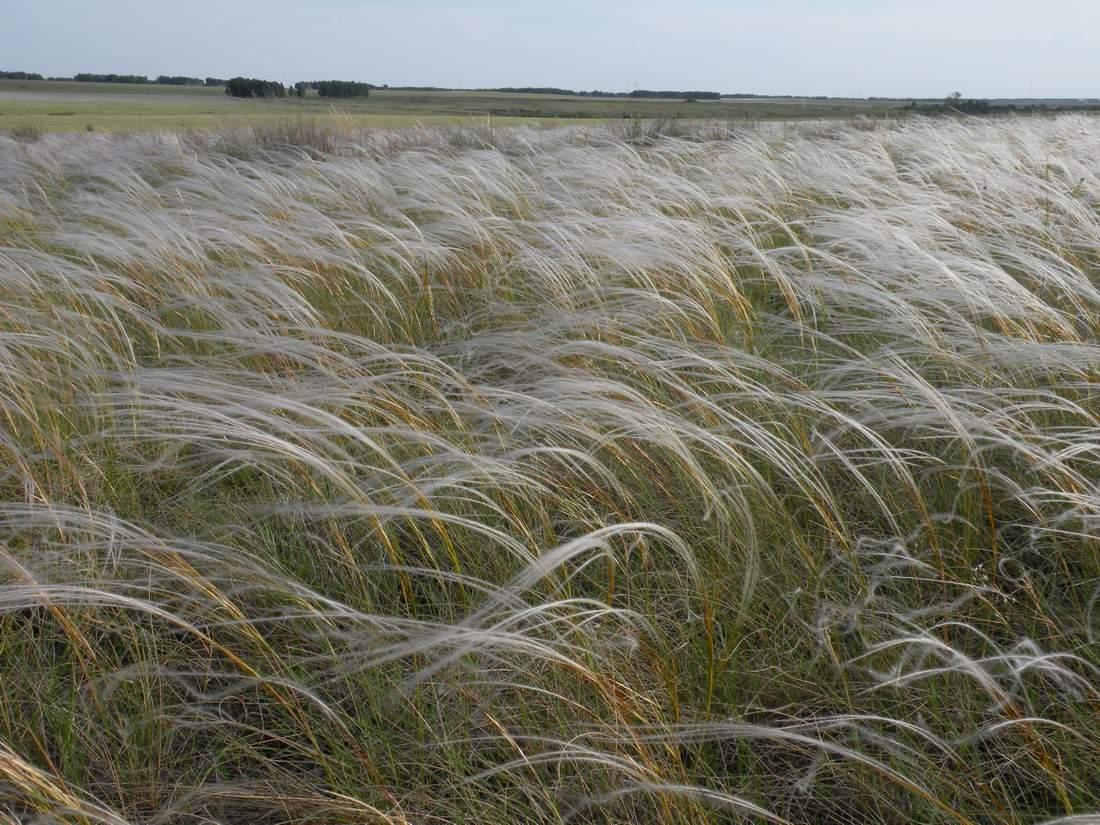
<point>577,475</point>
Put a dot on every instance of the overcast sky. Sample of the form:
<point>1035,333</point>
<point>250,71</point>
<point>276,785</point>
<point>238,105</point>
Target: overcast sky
<point>907,48</point>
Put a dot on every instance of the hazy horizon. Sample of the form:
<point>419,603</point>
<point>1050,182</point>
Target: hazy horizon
<point>841,48</point>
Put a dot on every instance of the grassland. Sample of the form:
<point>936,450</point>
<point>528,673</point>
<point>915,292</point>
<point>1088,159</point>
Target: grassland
<point>586,475</point>
<point>58,106</point>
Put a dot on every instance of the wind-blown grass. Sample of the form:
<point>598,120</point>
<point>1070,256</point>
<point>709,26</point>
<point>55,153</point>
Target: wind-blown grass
<point>585,475</point>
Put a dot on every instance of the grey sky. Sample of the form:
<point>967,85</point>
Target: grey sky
<point>984,48</point>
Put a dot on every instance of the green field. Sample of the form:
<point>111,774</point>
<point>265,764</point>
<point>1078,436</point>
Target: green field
<point>64,106</point>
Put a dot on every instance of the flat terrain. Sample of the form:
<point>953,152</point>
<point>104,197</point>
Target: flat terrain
<point>580,475</point>
<point>59,106</point>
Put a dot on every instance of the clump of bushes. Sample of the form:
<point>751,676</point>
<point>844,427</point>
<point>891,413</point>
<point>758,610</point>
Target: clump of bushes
<point>178,80</point>
<point>253,87</point>
<point>333,88</point>
<point>90,77</point>
<point>342,88</point>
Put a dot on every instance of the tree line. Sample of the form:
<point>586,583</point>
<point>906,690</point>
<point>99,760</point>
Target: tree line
<point>179,80</point>
<point>234,87</point>
<point>160,80</point>
<point>89,77</point>
<point>92,77</point>
<point>342,88</point>
<point>254,87</point>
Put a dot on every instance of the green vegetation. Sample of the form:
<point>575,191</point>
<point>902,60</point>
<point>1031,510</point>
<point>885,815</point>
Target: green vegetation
<point>89,77</point>
<point>253,87</point>
<point>342,89</point>
<point>132,79</point>
<point>180,80</point>
<point>588,475</point>
<point>20,76</point>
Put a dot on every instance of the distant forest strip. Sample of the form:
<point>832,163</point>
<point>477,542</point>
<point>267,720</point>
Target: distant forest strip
<point>90,77</point>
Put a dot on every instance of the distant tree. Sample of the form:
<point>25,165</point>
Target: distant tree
<point>300,88</point>
<point>20,76</point>
<point>179,80</point>
<point>955,102</point>
<point>89,77</point>
<point>253,87</point>
<point>647,93</point>
<point>342,88</point>
<point>214,81</point>
<point>974,107</point>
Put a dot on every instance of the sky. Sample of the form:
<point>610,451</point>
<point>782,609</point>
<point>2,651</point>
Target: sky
<point>886,48</point>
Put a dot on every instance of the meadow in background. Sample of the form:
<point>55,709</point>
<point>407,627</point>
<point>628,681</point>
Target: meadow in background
<point>597,474</point>
<point>67,106</point>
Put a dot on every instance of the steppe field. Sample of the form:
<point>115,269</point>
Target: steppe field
<point>608,473</point>
<point>69,106</point>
